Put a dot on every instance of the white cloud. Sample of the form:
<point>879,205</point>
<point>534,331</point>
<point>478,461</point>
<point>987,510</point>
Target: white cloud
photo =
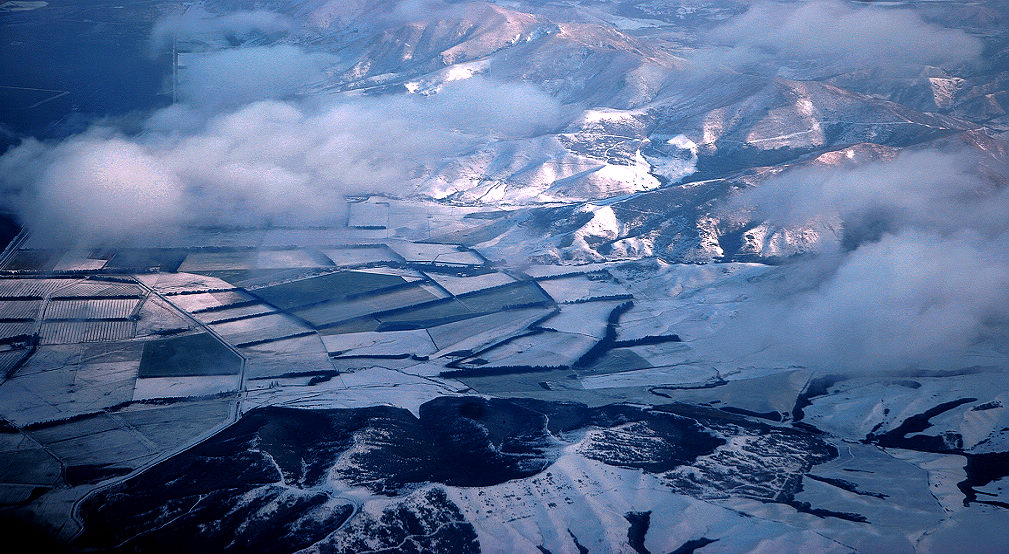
<point>917,187</point>
<point>96,187</point>
<point>835,35</point>
<point>912,299</point>
<point>265,161</point>
<point>198,25</point>
<point>925,276</point>
<point>242,75</point>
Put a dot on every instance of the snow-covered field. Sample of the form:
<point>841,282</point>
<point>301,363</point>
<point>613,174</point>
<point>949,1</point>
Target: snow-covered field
<point>461,284</point>
<point>511,276</point>
<point>391,343</point>
<point>911,498</point>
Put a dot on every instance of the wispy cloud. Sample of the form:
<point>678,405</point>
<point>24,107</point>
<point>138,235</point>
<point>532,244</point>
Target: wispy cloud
<point>238,76</point>
<point>198,25</point>
<point>833,35</point>
<point>260,162</point>
<point>922,278</point>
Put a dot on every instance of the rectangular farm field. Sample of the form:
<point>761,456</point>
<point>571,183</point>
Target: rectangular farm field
<point>326,287</point>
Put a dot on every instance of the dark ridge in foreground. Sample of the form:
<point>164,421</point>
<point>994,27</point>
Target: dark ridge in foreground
<point>272,481</point>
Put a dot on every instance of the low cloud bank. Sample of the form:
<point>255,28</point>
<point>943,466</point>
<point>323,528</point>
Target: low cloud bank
<point>926,280</point>
<point>244,146</point>
<point>197,25</point>
<point>238,76</point>
<point>268,161</point>
<point>912,299</point>
<point>923,189</point>
<point>834,35</point>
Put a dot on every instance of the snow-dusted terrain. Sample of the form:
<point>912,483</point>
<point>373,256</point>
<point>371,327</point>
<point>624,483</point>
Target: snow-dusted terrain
<point>515,276</point>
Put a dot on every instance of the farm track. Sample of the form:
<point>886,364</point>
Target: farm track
<point>235,415</point>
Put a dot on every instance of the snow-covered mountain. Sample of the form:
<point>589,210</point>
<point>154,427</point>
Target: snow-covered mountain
<point>648,107</point>
<point>515,276</point>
